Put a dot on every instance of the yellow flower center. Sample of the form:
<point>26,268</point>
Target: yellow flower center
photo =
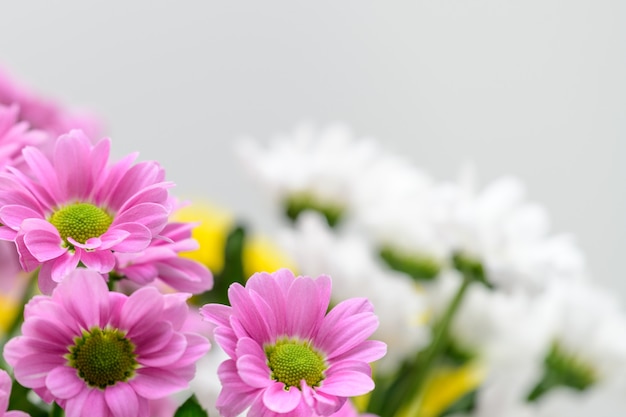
<point>103,357</point>
<point>81,221</point>
<point>292,361</point>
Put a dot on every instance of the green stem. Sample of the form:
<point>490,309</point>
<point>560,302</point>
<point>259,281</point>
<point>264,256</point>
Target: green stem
<point>411,384</point>
<point>56,410</point>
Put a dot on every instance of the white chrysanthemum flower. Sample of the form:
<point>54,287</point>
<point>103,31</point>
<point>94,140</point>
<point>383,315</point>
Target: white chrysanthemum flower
<point>582,363</point>
<point>311,169</point>
<point>399,304</point>
<point>509,235</point>
<point>402,210</point>
<point>206,384</point>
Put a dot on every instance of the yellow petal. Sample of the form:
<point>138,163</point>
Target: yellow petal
<point>214,225</point>
<point>260,254</point>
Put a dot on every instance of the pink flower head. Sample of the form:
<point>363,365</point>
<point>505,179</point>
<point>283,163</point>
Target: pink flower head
<point>103,353</point>
<point>5,393</point>
<point>287,356</point>
<point>162,260</point>
<point>44,114</point>
<point>15,135</point>
<point>74,207</point>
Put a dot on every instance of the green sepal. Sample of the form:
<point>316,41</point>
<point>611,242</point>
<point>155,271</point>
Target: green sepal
<point>191,408</point>
<point>417,266</point>
<point>231,272</point>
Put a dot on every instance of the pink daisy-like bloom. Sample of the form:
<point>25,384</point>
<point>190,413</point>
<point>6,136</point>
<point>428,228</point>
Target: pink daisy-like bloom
<point>42,113</point>
<point>287,356</point>
<point>15,135</point>
<point>102,353</point>
<point>161,260</point>
<point>5,393</point>
<point>74,207</point>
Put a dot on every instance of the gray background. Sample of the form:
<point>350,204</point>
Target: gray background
<point>533,88</point>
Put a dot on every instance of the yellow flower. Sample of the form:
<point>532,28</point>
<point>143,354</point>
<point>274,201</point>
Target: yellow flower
<point>446,386</point>
<point>214,224</point>
<point>261,254</point>
<point>9,308</point>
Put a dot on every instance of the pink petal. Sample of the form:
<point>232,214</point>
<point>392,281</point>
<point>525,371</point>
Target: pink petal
<point>108,183</point>
<point>368,351</point>
<point>348,382</point>
<point>141,308</point>
<point>138,238</point>
<point>153,216</point>
<point>345,326</point>
<point>112,237</point>
<point>281,400</point>
<point>133,179</point>
<point>31,370</point>
<point>254,371</point>
<point>84,295</point>
<point>63,382</point>
<point>169,354</point>
<point>226,338</point>
<point>156,339</point>
<point>186,275</point>
<point>154,383</point>
<point>27,261</point>
<point>72,156</point>
<point>122,400</point>
<point>44,279</point>
<point>6,233</point>
<point>306,306</point>
<point>89,403</point>
<point>44,244</point>
<point>216,313</point>
<point>235,395</point>
<point>13,215</point>
<point>155,193</point>
<point>102,261</point>
<point>63,265</point>
<point>47,328</point>
<point>252,321</point>
<point>43,170</point>
<point>247,346</point>
<point>5,389</point>
<point>197,347</point>
<point>100,157</point>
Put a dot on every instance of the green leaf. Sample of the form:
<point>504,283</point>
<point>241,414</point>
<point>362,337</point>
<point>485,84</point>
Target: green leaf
<point>191,408</point>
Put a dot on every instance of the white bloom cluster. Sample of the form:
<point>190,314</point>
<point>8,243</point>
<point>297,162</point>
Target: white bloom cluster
<point>549,341</point>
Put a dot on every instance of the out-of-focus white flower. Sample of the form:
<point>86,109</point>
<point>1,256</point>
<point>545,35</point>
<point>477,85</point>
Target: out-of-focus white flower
<point>206,384</point>
<point>509,235</point>
<point>310,168</point>
<point>582,362</point>
<point>401,209</point>
<point>398,302</point>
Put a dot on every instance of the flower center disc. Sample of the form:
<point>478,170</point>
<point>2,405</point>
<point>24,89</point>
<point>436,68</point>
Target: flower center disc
<point>291,362</point>
<point>103,357</point>
<point>81,221</point>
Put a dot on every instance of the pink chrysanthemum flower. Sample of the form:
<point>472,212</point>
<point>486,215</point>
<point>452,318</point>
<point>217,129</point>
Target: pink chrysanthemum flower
<point>15,135</point>
<point>161,260</point>
<point>5,393</point>
<point>287,356</point>
<point>42,113</point>
<point>103,353</point>
<point>74,207</point>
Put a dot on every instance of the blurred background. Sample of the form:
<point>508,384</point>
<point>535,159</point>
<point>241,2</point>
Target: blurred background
<point>534,88</point>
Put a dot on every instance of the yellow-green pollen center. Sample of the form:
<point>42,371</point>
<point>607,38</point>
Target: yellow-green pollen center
<point>291,361</point>
<point>80,221</point>
<point>103,357</point>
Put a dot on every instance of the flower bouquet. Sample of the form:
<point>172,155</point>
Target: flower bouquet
<point>381,290</point>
